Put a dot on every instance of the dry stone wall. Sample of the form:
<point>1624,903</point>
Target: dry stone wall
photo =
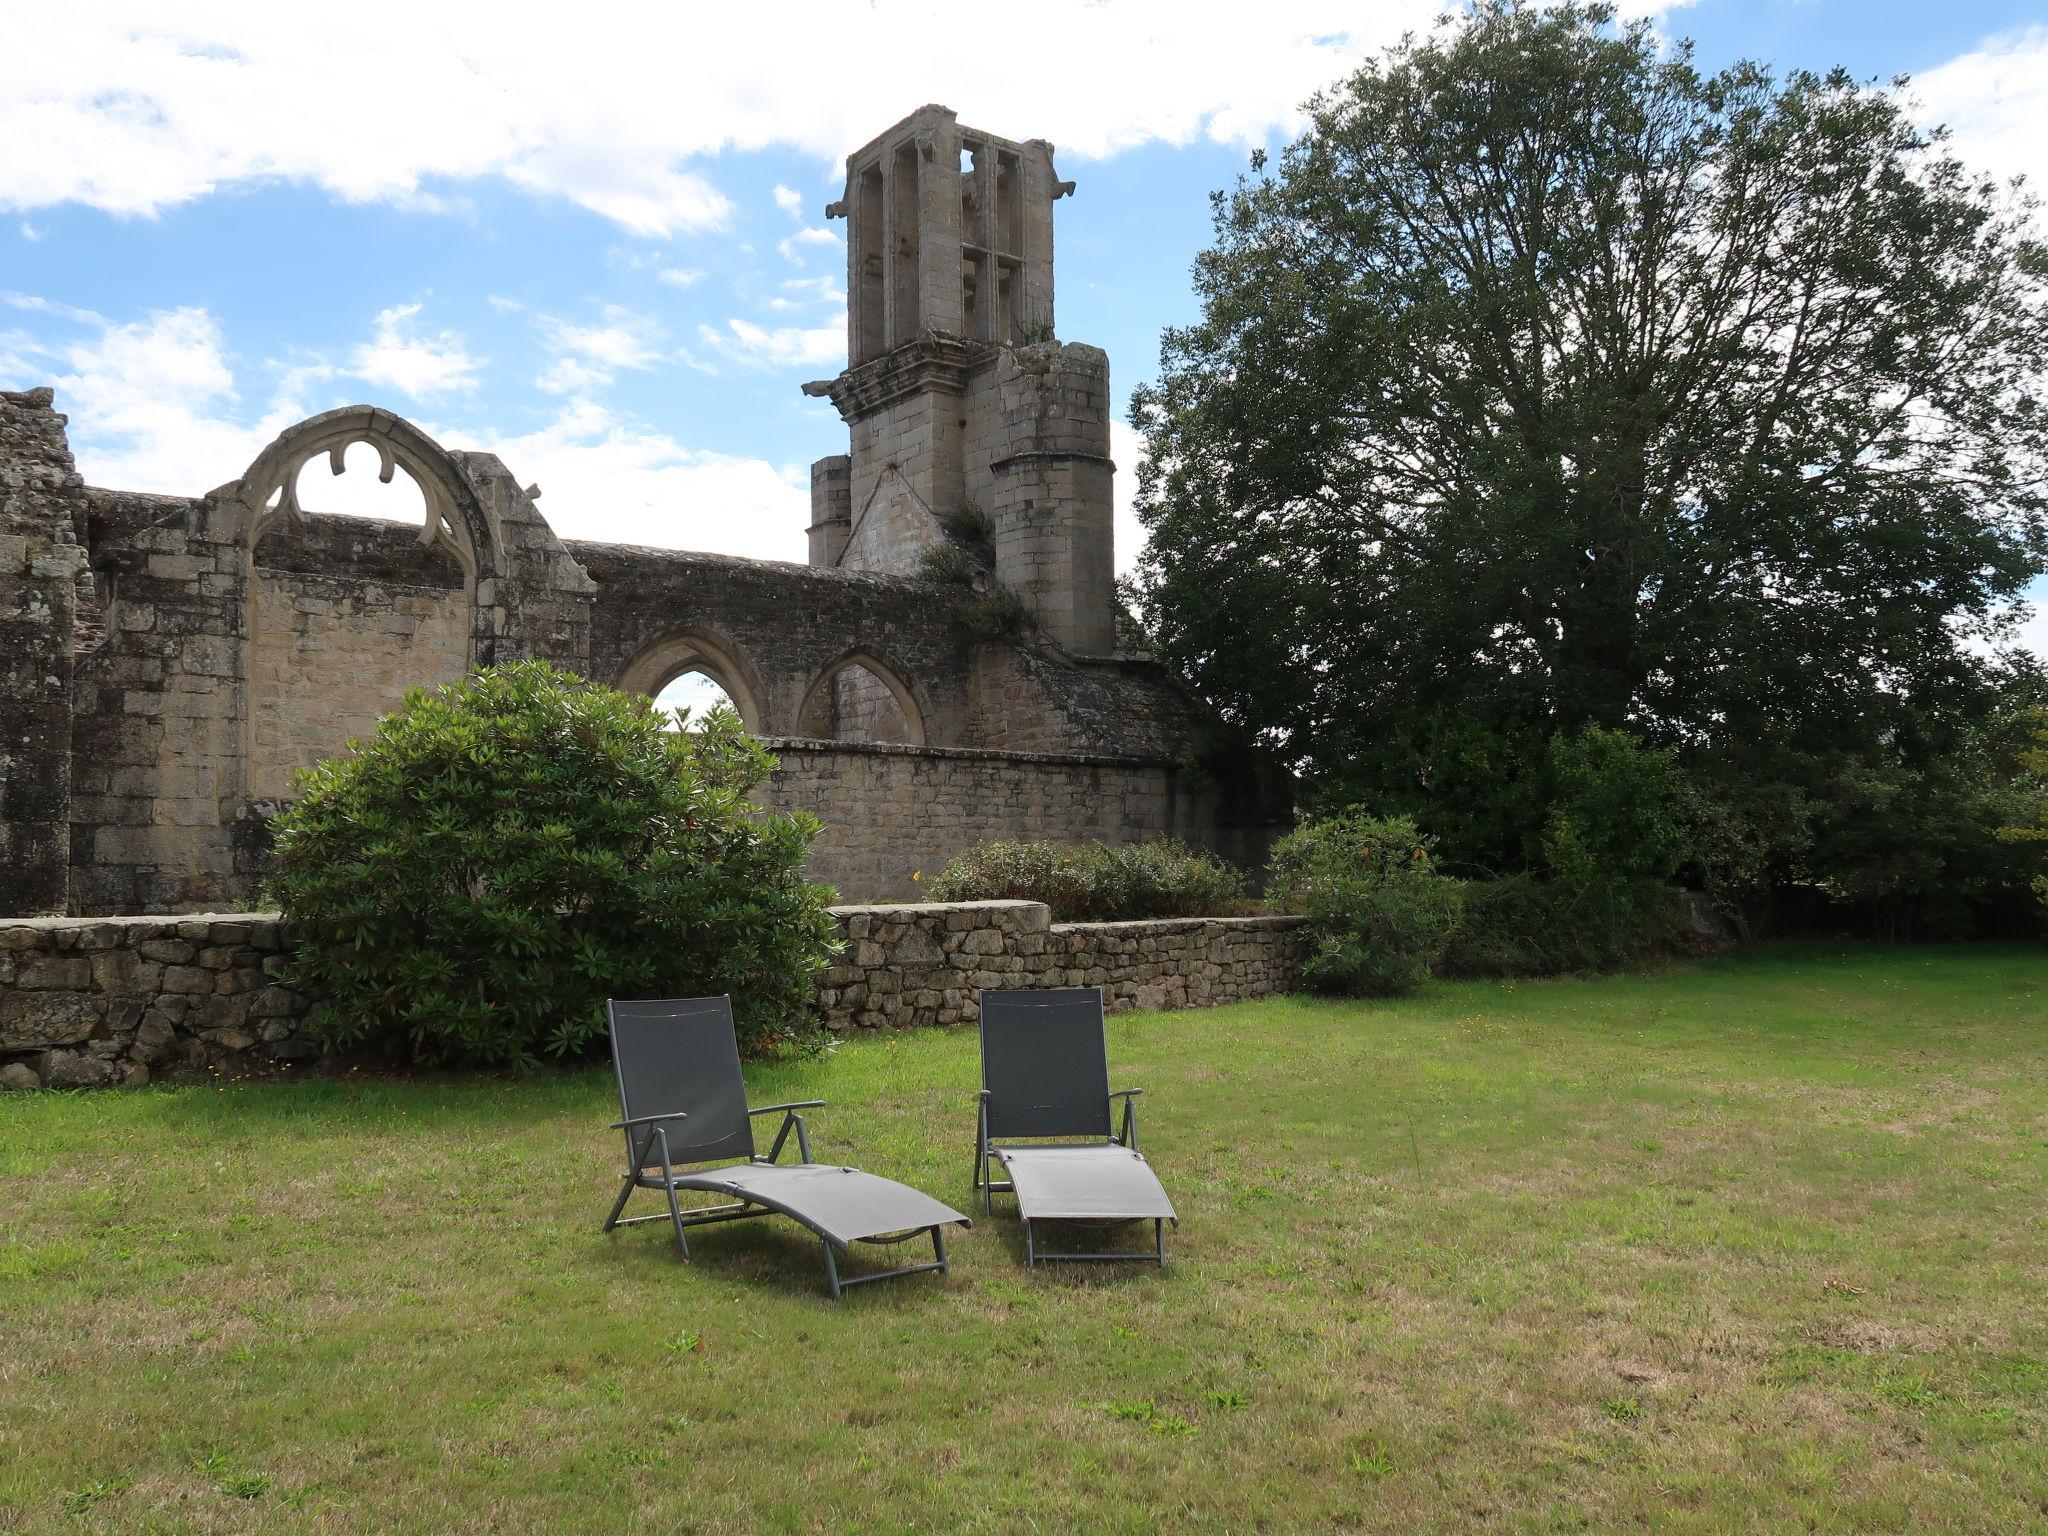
<point>920,964</point>
<point>88,1002</point>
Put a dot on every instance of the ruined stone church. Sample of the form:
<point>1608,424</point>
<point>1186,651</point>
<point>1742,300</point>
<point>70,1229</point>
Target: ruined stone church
<point>168,662</point>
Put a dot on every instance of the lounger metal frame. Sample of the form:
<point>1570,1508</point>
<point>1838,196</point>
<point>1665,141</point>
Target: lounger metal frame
<point>638,1175</point>
<point>1126,1135</point>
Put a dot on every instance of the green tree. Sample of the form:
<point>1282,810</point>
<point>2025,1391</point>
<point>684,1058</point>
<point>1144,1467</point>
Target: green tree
<point>474,880</point>
<point>2028,829</point>
<point>1548,381</point>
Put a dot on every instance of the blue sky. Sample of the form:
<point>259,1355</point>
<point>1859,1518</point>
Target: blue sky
<point>600,250</point>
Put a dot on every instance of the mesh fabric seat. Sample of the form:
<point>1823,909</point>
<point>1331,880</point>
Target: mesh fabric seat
<point>683,1102</point>
<point>1045,1074</point>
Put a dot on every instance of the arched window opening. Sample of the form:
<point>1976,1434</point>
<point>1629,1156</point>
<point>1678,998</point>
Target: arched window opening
<point>358,491</point>
<point>687,697</point>
<point>857,703</point>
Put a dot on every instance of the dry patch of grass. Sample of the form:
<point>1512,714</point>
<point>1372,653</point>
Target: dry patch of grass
<point>1752,1246</point>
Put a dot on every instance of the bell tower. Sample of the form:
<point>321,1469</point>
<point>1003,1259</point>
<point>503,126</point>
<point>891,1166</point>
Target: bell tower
<point>955,390</point>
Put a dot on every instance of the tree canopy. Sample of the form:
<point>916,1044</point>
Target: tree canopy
<point>1548,381</point>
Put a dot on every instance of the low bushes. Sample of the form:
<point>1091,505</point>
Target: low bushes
<point>470,883</point>
<point>1096,882</point>
<point>1379,912</point>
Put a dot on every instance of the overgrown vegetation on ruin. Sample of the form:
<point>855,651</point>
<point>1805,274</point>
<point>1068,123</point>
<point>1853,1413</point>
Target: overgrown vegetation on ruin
<point>1753,1242</point>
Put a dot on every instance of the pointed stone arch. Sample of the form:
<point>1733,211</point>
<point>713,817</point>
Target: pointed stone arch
<point>695,648</point>
<point>268,491</point>
<point>443,637</point>
<point>891,678</point>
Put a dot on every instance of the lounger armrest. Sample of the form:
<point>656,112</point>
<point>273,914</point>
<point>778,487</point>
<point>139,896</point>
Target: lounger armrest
<point>626,1125</point>
<point>1125,1093</point>
<point>777,1109</point>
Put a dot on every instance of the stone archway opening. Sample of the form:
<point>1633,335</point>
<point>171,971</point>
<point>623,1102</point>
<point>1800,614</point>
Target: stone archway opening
<point>689,696</point>
<point>859,699</point>
<point>693,669</point>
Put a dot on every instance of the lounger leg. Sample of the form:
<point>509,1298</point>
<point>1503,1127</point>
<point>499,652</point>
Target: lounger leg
<point>831,1268</point>
<point>939,1250</point>
<point>675,1215</point>
<point>1159,1240</point>
<point>668,1185</point>
<point>618,1205</point>
<point>1030,1253</point>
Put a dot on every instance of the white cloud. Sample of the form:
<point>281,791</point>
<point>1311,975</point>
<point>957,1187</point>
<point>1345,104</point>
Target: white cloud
<point>1126,451</point>
<point>789,200</point>
<point>792,247</point>
<point>135,106</point>
<point>399,357</point>
<point>154,406</point>
<point>1995,100</point>
<point>36,304</point>
<point>589,356</point>
<point>788,346</point>
<point>30,233</point>
<point>605,476</point>
<point>679,277</point>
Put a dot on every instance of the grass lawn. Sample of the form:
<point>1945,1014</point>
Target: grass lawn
<point>1755,1245</point>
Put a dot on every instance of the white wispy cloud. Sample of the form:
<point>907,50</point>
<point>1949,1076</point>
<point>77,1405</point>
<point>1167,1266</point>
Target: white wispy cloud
<point>1994,100</point>
<point>135,107</point>
<point>605,475</point>
<point>589,356</point>
<point>792,248</point>
<point>789,200</point>
<point>400,356</point>
<point>788,346</point>
<point>156,405</point>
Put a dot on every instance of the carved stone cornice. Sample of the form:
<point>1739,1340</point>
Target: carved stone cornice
<point>936,360</point>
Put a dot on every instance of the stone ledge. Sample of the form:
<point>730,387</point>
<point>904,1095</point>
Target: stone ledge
<point>982,754</point>
<point>87,1002</point>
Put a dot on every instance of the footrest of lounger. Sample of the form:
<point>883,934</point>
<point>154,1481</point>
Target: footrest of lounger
<point>842,1204</point>
<point>1097,1183</point>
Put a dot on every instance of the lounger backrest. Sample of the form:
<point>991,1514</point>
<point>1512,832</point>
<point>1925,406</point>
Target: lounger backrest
<point>1044,1063</point>
<point>680,1053</point>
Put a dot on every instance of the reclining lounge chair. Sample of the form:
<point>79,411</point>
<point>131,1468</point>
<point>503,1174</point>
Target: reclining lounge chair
<point>682,1101</point>
<point>1045,1073</point>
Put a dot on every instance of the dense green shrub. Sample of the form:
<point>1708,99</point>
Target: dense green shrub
<point>1379,911</point>
<point>1096,882</point>
<point>472,882</point>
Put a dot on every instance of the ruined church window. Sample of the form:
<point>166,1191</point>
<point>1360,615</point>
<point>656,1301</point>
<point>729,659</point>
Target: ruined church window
<point>357,492</point>
<point>858,703</point>
<point>695,692</point>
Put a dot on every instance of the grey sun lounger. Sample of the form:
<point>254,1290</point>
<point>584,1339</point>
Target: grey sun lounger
<point>1045,1073</point>
<point>682,1101</point>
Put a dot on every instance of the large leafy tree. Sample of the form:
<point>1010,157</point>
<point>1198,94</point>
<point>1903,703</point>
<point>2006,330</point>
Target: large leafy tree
<point>1548,381</point>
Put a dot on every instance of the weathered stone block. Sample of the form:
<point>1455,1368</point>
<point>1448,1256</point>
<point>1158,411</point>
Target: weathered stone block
<point>73,1069</point>
<point>54,972</point>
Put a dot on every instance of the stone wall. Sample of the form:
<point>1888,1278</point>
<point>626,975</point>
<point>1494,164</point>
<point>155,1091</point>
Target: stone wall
<point>895,815</point>
<point>91,1001</point>
<point>926,964</point>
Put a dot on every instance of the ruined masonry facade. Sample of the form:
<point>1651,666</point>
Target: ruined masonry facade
<point>168,662</point>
